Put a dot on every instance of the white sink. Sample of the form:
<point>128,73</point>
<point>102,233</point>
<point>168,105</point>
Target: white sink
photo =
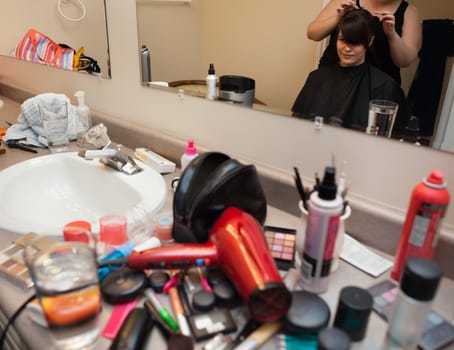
<point>43,194</point>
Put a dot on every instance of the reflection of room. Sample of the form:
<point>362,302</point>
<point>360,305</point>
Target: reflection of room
<point>239,37</point>
<point>256,45</point>
<point>90,32</point>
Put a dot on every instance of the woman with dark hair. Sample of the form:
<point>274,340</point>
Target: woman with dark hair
<point>397,30</point>
<point>341,92</point>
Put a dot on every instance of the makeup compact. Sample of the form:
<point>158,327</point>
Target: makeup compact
<point>282,245</point>
<point>123,285</point>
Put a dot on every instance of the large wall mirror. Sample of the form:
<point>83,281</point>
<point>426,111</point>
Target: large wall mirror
<point>76,23</point>
<point>266,42</point>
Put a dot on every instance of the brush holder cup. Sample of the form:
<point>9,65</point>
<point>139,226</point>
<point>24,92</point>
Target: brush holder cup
<point>301,233</point>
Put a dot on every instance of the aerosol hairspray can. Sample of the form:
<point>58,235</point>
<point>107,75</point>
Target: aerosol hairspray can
<point>145,65</point>
<point>325,209</point>
<point>428,205</point>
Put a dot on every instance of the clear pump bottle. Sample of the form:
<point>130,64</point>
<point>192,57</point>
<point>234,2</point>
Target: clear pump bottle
<point>418,286</point>
<point>325,209</point>
<point>83,117</point>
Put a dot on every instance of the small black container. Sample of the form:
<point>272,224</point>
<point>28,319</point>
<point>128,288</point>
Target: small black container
<point>308,314</point>
<point>353,311</point>
<point>123,285</point>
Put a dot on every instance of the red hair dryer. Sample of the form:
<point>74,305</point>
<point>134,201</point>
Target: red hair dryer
<point>237,244</point>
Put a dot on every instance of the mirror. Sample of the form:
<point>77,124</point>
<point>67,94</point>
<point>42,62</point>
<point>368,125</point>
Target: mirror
<point>76,23</point>
<point>266,43</point>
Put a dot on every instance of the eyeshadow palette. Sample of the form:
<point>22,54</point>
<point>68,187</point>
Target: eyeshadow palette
<point>281,242</point>
<point>12,264</point>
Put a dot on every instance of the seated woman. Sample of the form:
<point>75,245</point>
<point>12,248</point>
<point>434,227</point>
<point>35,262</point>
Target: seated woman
<point>341,92</point>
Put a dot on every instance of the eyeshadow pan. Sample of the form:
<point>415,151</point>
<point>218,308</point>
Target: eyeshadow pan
<point>281,242</point>
<point>8,263</point>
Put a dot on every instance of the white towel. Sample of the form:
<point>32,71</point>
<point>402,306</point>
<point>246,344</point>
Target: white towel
<point>29,122</point>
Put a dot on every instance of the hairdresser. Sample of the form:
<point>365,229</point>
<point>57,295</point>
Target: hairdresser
<point>340,92</point>
<point>397,32</point>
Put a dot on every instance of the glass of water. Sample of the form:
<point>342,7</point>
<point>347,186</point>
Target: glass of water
<point>382,114</point>
<point>65,277</point>
<point>55,124</point>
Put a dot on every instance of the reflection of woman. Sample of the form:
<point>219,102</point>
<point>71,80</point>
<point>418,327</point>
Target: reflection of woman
<point>341,92</point>
<point>397,31</point>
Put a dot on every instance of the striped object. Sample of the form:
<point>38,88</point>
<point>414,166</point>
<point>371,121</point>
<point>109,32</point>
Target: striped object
<point>37,47</point>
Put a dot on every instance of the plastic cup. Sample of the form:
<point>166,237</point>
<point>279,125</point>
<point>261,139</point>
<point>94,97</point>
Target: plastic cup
<point>65,277</point>
<point>113,229</point>
<point>382,114</point>
<point>55,124</point>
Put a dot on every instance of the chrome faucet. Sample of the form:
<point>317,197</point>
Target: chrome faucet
<point>114,158</point>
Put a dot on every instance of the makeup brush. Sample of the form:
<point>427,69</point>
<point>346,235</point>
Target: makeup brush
<point>175,341</point>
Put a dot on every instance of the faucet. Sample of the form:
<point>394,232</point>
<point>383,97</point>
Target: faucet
<point>114,158</point>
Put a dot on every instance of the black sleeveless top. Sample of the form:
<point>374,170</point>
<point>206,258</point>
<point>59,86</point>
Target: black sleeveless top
<point>379,54</point>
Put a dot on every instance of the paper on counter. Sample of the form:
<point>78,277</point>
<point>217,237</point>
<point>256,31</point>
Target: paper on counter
<point>363,258</point>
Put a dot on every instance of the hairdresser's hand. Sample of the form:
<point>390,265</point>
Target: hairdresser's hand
<point>346,5</point>
<point>388,21</point>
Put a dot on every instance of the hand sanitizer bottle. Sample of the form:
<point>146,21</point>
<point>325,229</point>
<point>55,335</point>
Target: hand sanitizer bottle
<point>83,117</point>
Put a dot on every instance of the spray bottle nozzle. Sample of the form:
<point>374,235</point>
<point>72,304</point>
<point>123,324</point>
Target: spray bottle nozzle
<point>328,188</point>
<point>211,69</point>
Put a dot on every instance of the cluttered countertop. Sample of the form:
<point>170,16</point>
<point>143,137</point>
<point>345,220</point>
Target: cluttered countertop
<point>32,337</point>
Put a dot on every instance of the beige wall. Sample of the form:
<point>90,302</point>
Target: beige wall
<point>173,32</point>
<point>382,172</point>
<point>17,17</point>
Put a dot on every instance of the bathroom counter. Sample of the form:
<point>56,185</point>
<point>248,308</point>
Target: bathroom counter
<point>28,335</point>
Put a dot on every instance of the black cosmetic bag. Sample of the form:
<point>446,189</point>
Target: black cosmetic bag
<point>209,184</point>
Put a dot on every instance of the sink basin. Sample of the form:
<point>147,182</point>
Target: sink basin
<point>44,193</point>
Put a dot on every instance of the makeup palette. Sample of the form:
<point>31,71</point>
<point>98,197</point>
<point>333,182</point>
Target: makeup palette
<point>12,265</point>
<point>281,242</point>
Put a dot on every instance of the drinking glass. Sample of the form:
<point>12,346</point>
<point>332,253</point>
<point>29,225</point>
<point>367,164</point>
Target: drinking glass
<point>65,277</point>
<point>382,114</point>
<point>55,124</point>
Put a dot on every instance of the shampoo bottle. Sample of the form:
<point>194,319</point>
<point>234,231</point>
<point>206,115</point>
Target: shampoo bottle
<point>211,81</point>
<point>325,209</point>
<point>83,117</point>
<point>428,205</point>
<point>189,154</point>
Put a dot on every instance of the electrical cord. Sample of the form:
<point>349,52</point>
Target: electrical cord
<point>12,319</point>
<point>81,6</point>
